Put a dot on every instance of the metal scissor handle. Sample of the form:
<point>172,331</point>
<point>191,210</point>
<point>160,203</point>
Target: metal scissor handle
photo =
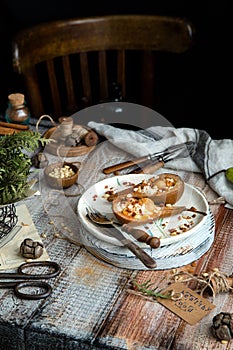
<point>40,289</point>
<point>21,270</point>
<point>46,290</point>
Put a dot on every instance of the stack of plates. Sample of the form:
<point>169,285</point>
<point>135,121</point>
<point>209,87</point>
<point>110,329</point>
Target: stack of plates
<point>174,251</point>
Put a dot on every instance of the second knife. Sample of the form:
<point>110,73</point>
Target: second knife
<point>182,149</point>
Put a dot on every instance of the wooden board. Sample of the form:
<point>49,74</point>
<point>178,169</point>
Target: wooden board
<point>59,149</point>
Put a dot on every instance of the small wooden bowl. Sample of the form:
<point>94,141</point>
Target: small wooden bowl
<point>61,182</point>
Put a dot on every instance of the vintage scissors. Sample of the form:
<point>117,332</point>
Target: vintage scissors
<point>29,281</point>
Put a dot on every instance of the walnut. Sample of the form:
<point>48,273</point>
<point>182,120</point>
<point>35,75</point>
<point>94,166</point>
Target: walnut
<point>30,249</point>
<point>222,327</point>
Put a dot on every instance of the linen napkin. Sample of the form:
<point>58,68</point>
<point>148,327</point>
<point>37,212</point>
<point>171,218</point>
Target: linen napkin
<point>209,156</point>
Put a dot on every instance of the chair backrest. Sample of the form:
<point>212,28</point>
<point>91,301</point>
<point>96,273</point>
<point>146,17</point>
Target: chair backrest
<point>67,65</point>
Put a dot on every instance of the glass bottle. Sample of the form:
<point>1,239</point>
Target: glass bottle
<point>17,111</point>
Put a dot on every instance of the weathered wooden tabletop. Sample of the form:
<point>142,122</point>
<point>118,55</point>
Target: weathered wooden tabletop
<point>90,306</point>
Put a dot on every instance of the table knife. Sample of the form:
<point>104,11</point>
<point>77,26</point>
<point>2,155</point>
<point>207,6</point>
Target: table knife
<point>141,254</point>
<point>168,154</point>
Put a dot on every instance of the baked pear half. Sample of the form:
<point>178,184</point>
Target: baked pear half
<point>166,188</point>
<point>138,211</point>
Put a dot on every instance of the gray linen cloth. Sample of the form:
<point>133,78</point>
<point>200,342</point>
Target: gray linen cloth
<point>208,157</point>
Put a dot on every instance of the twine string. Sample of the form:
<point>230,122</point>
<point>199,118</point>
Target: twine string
<point>42,117</point>
<point>216,281</point>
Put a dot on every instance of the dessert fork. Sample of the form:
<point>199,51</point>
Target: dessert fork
<point>140,235</point>
<point>115,231</point>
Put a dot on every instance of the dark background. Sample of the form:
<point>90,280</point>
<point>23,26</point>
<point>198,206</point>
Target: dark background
<point>200,97</point>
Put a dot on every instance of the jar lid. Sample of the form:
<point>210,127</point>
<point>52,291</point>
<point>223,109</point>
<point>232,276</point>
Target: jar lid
<point>16,99</point>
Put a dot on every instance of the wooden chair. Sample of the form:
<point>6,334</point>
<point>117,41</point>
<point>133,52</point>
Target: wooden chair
<point>71,64</point>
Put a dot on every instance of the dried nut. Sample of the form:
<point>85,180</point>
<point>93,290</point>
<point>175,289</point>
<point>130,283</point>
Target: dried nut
<point>222,327</point>
<point>61,173</point>
<point>31,249</point>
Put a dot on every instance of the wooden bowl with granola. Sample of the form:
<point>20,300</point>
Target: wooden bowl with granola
<point>62,174</point>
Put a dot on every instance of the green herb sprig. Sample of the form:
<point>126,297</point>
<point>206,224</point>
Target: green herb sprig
<point>145,288</point>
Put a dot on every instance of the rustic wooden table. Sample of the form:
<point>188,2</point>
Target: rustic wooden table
<point>90,306</point>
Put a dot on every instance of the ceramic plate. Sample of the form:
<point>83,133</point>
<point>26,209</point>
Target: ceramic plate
<point>163,228</point>
<point>169,256</point>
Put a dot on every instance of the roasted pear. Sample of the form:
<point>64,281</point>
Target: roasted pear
<point>166,188</point>
<point>138,211</point>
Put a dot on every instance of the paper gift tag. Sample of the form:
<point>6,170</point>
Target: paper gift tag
<point>190,306</point>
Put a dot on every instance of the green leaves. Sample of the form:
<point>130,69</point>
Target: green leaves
<point>27,140</point>
<point>145,288</point>
<point>15,163</point>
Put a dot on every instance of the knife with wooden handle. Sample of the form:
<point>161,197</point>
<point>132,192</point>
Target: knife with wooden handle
<point>125,165</point>
<point>141,254</point>
<point>145,258</point>
<point>148,168</point>
<point>182,149</point>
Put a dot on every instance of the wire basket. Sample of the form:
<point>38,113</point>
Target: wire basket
<point>8,219</point>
